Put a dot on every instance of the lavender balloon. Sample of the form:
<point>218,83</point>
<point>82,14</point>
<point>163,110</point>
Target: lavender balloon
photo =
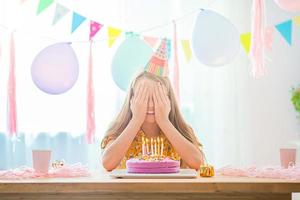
<point>55,69</point>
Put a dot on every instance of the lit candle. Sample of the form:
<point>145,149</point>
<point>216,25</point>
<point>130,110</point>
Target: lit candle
<point>162,147</point>
<point>143,146</point>
<point>147,144</point>
<point>151,146</point>
<point>155,147</point>
<point>158,146</point>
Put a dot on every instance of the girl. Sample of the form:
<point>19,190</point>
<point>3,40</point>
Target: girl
<point>150,110</point>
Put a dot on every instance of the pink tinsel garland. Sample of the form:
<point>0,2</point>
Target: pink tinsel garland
<point>292,173</point>
<point>257,39</point>
<point>24,172</point>
<point>11,91</point>
<point>90,132</point>
<point>176,65</point>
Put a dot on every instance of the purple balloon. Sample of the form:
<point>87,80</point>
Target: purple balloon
<point>55,69</point>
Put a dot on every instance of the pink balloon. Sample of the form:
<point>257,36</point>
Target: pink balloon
<point>289,5</point>
<point>55,69</point>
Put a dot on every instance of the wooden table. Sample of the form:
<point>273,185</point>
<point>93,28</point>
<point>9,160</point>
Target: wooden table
<point>101,186</point>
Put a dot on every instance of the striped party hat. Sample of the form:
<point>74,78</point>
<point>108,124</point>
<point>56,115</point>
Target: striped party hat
<point>158,63</point>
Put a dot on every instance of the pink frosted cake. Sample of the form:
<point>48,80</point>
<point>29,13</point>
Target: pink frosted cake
<point>166,165</point>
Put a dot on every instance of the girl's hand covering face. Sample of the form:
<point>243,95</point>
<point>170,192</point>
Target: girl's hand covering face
<point>162,104</point>
<point>139,101</point>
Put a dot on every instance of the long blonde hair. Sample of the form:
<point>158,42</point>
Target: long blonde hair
<point>125,115</point>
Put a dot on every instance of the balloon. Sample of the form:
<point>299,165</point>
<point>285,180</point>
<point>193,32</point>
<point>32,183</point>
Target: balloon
<point>130,58</point>
<point>55,69</point>
<point>289,5</point>
<point>215,40</point>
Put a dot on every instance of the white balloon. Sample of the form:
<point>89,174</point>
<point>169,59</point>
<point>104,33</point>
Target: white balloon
<point>215,39</point>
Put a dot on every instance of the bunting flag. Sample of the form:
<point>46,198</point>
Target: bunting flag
<point>297,20</point>
<point>90,129</point>
<point>176,66</point>
<point>60,12</point>
<point>94,28</point>
<point>186,50</point>
<point>43,4</point>
<point>113,34</point>
<point>77,20</point>
<point>11,92</point>
<point>269,31</point>
<point>285,29</point>
<point>152,41</point>
<point>245,40</point>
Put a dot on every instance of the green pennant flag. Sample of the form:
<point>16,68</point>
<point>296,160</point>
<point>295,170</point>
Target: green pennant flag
<point>43,4</point>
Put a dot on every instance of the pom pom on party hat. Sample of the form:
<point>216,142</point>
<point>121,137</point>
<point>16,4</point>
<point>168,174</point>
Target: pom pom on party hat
<point>158,63</point>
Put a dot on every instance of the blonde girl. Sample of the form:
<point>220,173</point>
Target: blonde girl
<point>150,110</point>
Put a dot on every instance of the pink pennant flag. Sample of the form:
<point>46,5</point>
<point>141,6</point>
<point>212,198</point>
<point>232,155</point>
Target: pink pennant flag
<point>176,66</point>
<point>11,92</point>
<point>152,41</point>
<point>269,37</point>
<point>257,38</point>
<point>94,28</point>
<point>90,132</point>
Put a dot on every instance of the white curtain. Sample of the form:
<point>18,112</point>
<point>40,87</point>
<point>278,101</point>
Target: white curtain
<point>239,120</point>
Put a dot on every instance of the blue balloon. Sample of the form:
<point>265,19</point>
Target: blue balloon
<point>130,58</point>
<point>215,39</point>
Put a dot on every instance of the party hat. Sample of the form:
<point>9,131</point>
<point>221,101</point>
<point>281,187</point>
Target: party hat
<point>158,63</point>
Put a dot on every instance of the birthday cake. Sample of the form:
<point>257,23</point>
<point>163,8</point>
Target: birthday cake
<point>150,166</point>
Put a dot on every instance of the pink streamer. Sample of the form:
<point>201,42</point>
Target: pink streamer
<point>11,92</point>
<point>291,173</point>
<point>24,172</point>
<point>257,39</point>
<point>269,31</point>
<point>176,66</point>
<point>90,101</point>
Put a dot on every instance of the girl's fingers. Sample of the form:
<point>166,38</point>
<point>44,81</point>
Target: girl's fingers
<point>162,94</point>
<point>157,95</point>
<point>146,96</point>
<point>136,92</point>
<point>140,91</point>
<point>154,96</point>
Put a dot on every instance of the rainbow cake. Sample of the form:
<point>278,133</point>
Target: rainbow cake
<point>152,166</point>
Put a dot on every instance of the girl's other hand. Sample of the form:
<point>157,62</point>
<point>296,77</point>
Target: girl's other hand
<point>162,104</point>
<point>138,103</point>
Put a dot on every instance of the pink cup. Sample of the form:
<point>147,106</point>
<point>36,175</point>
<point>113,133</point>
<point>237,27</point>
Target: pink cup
<point>287,157</point>
<point>41,160</point>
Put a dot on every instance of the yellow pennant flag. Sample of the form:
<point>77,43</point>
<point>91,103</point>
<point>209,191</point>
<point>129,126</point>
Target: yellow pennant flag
<point>113,34</point>
<point>186,49</point>
<point>297,20</point>
<point>246,41</point>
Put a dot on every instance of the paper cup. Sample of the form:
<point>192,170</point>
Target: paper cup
<point>41,160</point>
<point>287,157</point>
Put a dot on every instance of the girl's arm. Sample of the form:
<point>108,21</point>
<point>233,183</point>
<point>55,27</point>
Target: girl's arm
<point>116,149</point>
<point>189,153</point>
